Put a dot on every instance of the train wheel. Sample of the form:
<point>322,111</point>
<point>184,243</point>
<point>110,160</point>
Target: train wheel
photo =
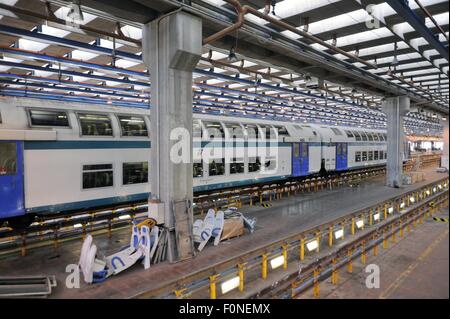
<point>21,222</point>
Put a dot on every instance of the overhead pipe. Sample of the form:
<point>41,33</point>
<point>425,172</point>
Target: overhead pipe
<point>419,88</point>
<point>51,20</point>
<point>243,10</point>
<point>428,14</point>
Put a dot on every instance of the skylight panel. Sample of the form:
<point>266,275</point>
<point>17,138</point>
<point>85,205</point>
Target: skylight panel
<point>121,63</point>
<point>31,45</point>
<point>83,55</point>
<point>54,31</point>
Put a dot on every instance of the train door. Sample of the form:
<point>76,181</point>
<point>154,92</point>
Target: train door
<point>11,179</point>
<point>341,156</point>
<point>300,159</point>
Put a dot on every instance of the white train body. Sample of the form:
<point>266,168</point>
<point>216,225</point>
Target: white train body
<point>61,156</point>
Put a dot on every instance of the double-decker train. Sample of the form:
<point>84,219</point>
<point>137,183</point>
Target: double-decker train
<point>62,157</point>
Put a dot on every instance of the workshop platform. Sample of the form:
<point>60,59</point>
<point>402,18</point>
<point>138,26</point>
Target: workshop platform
<point>289,216</point>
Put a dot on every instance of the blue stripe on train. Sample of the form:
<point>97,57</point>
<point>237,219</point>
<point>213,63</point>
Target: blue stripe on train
<point>64,145</point>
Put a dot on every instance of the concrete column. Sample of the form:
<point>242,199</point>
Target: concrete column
<point>444,158</point>
<point>395,108</point>
<point>171,48</point>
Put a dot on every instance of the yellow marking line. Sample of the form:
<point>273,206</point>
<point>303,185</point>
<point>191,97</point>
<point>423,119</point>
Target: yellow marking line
<point>400,279</point>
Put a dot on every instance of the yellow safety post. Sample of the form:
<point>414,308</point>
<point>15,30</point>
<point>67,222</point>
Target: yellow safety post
<point>363,253</point>
<point>401,228</point>
<point>334,274</point>
<point>407,201</point>
<point>270,197</point>
<point>394,239</point>
<point>385,211</point>
<point>241,276</point>
<point>316,290</point>
<point>302,248</point>
<point>264,266</point>
<point>414,221</point>
<point>417,196</point>
<point>370,217</point>
<point>251,200</point>
<point>318,238</point>
<point>330,235</point>
<point>353,226</point>
<point>260,198</point>
<point>285,256</point>
<point>350,261</point>
<point>212,286</point>
<point>409,227</point>
<point>385,241</point>
<point>421,215</point>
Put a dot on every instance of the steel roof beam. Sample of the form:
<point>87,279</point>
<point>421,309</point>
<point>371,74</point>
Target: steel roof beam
<point>403,9</point>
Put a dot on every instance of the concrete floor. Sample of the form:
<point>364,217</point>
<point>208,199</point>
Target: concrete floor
<point>287,217</point>
<point>416,267</point>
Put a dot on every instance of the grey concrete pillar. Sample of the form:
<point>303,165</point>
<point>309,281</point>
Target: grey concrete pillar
<point>171,48</point>
<point>395,108</point>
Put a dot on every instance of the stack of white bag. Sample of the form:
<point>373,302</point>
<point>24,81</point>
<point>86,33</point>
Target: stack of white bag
<point>143,244</point>
<point>211,226</point>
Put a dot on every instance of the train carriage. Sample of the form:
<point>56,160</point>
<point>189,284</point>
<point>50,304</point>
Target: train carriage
<point>62,157</point>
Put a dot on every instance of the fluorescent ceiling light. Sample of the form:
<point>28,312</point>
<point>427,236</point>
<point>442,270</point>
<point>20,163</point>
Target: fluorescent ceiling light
<point>360,223</point>
<point>376,216</point>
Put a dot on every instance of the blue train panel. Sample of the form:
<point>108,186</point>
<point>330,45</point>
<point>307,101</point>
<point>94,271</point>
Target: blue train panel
<point>341,156</point>
<point>300,159</point>
<point>11,179</point>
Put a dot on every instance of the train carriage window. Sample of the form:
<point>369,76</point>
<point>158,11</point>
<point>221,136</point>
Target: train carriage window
<point>135,173</point>
<point>198,169</point>
<point>197,131</point>
<point>237,166</point>
<point>132,126</point>
<point>97,175</point>
<point>214,130</point>
<point>375,137</point>
<point>252,131</point>
<point>217,167</point>
<point>364,156</point>
<point>349,134</point>
<point>381,154</point>
<point>296,150</point>
<point>270,164</point>
<point>336,131</point>
<point>380,137</point>
<point>385,155</point>
<point>8,158</point>
<point>235,131</point>
<point>282,131</point>
<point>269,132</point>
<point>369,136</point>
<point>48,118</point>
<point>357,136</point>
<point>375,155</point>
<point>370,155</point>
<point>363,136</point>
<point>385,136</point>
<point>358,157</point>
<point>254,164</point>
<point>95,125</point>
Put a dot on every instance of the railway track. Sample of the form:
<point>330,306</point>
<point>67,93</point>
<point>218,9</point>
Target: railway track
<point>286,268</point>
<point>53,229</point>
